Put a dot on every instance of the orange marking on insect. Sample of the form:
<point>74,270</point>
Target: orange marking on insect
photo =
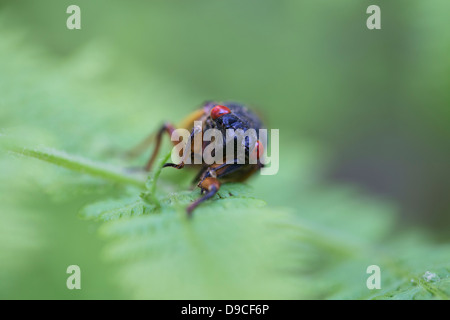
<point>258,150</point>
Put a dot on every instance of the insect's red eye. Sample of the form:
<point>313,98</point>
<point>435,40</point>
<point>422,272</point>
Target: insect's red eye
<point>219,111</point>
<point>258,151</point>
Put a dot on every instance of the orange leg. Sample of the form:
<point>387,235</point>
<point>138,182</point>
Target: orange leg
<point>187,123</point>
<point>209,186</point>
<point>167,127</point>
<point>209,182</point>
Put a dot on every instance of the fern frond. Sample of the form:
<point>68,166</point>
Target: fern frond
<point>79,164</point>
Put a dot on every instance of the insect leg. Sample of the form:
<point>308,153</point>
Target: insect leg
<point>200,175</point>
<point>195,130</point>
<point>185,123</point>
<point>219,171</point>
<point>210,186</point>
<point>167,127</point>
<point>140,148</point>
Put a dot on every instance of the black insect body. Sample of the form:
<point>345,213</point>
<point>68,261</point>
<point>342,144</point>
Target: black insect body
<point>223,116</point>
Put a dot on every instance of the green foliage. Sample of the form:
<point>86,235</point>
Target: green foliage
<point>287,236</point>
<point>238,247</point>
<point>79,164</point>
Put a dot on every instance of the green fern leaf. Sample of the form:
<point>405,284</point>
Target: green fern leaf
<point>317,242</point>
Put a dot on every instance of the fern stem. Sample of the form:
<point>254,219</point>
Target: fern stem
<point>154,180</point>
<point>80,165</point>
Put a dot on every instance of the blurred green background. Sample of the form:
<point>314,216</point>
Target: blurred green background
<point>355,107</point>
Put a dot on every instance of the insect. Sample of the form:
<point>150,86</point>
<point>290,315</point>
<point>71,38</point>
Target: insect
<point>219,116</point>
